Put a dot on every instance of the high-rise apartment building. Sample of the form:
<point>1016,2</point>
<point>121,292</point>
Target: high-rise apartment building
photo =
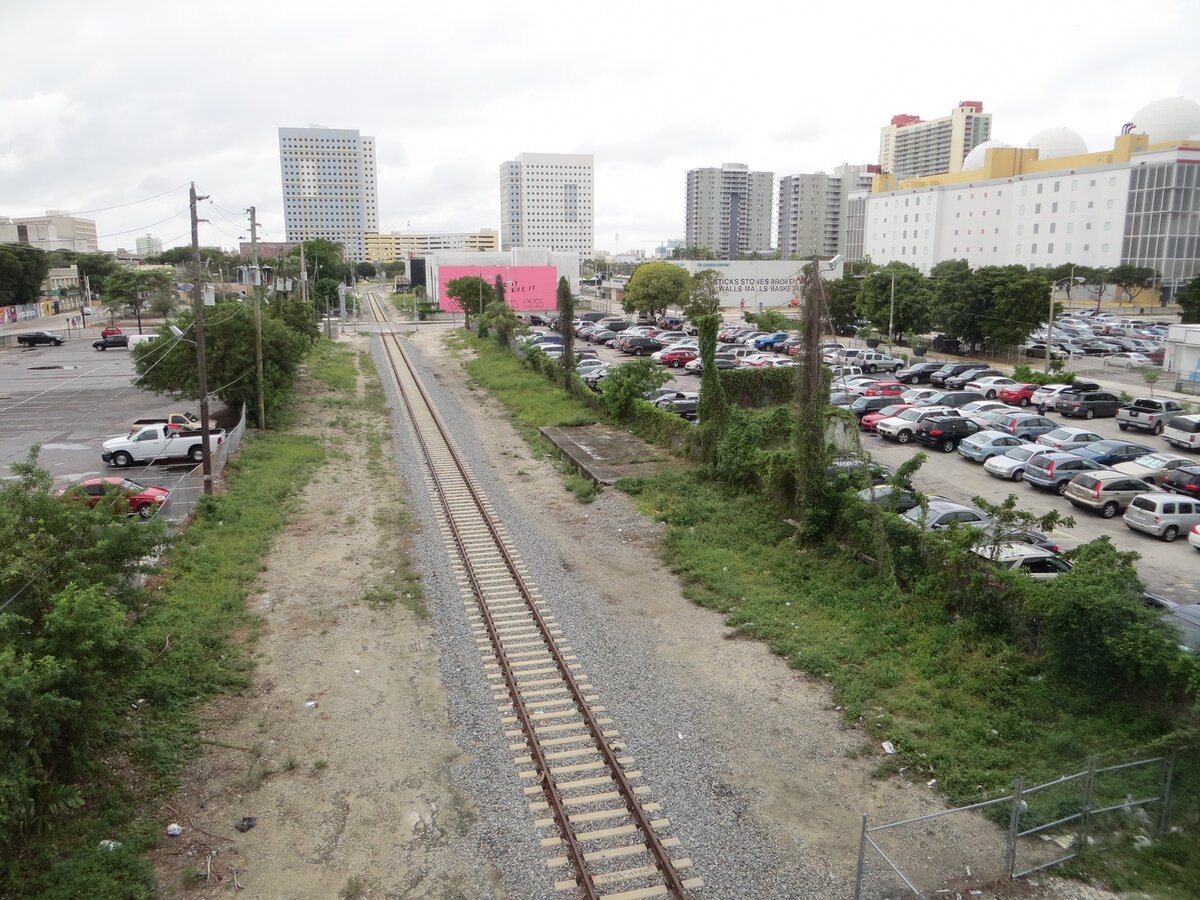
<point>546,202</point>
<point>729,210</point>
<point>149,245</point>
<point>812,210</point>
<point>329,186</point>
<point>910,147</point>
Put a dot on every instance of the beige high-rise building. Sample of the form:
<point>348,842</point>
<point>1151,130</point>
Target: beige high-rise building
<point>729,210</point>
<point>396,245</point>
<point>813,207</point>
<point>910,147</point>
<point>58,230</point>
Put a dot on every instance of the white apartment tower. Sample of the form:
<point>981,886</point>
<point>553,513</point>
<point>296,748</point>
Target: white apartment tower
<point>546,202</point>
<point>149,245</point>
<point>812,210</point>
<point>729,210</point>
<point>911,148</point>
<point>329,186</point>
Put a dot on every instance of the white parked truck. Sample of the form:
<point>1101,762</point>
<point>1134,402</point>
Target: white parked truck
<point>159,442</point>
<point>1147,414</point>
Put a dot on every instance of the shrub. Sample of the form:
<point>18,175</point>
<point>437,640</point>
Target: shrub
<point>759,387</point>
<point>1026,375</point>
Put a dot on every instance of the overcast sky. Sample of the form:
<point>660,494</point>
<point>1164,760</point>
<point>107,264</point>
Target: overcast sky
<point>104,104</point>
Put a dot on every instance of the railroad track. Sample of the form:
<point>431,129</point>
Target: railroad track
<point>600,827</point>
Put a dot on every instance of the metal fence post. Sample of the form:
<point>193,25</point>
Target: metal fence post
<point>1165,793</point>
<point>1085,808</point>
<point>1014,828</point>
<point>862,848</point>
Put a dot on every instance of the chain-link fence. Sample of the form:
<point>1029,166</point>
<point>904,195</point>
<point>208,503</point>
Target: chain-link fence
<point>1047,825</point>
<point>188,490</point>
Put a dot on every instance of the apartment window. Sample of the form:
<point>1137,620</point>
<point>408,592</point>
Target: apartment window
<point>1039,190</point>
<point>1052,227</point>
<point>1086,247</point>
<point>1109,204</point>
<point>1020,229</point>
<point>1091,203</point>
<point>1056,187</point>
<point>1087,226</point>
<point>1049,248</point>
<point>1021,210</point>
<point>1018,249</point>
<point>1037,209</point>
<point>1070,228</point>
<point>1023,187</point>
<point>1032,249</point>
<point>1074,184</point>
<point>1071,208</point>
<point>1104,248</point>
<point>1108,226</point>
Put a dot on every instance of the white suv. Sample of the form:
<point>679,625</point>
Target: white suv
<point>901,428</point>
<point>873,361</point>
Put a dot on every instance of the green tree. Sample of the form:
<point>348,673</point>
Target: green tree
<point>22,270</point>
<point>472,293</point>
<point>771,320</point>
<point>1133,280</point>
<point>324,259</point>
<point>499,318</point>
<point>96,267</point>
<point>297,314</point>
<point>704,296</point>
<point>1188,298</point>
<point>365,270</point>
<point>700,253</point>
<point>914,294</point>
<point>655,286</point>
<point>956,309</point>
<point>168,365</point>
<point>628,383</point>
<point>565,302</point>
<point>141,289</point>
<point>1097,280</point>
<point>1016,301</point>
<point>840,298</point>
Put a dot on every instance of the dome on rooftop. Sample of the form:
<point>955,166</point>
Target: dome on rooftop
<point>1052,143</point>
<point>975,158</point>
<point>1169,119</point>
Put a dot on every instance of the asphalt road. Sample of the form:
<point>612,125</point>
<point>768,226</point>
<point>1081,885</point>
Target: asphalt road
<point>1172,570</point>
<point>71,399</point>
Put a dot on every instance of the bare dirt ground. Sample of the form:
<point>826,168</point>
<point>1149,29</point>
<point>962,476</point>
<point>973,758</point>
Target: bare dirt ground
<point>342,813</point>
<point>353,797</point>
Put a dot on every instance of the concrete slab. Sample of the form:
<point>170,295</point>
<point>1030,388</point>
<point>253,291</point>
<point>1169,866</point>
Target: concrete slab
<point>606,454</point>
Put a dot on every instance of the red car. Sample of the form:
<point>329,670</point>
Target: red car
<point>677,358</point>
<point>1019,394</point>
<point>885,389</point>
<point>870,420</point>
<point>110,330</point>
<point>140,499</point>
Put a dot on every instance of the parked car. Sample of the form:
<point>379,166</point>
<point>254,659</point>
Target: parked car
<point>950,369</point>
<point>962,379</point>
<point>983,445</point>
<point>1087,404</point>
<point>916,373</point>
<point>1163,514</point>
<point>35,338</point>
<point>946,514</point>
<point>1184,480</point>
<point>1068,438</point>
<point>870,419</point>
<point>139,499</point>
<point>1147,414</point>
<point>862,406</point>
<point>944,432</point>
<point>990,385</point>
<point>917,395</point>
<point>982,406</point>
<point>1128,360</point>
<point>1106,492</point>
<point>884,389</point>
<point>902,426</point>
<point>1054,471</point>
<point>1018,556</point>
<point>945,344</point>
<point>874,361</point>
<point>720,361</point>
<point>1111,451</point>
<point>954,399</point>
<point>1183,432</point>
<point>771,341</point>
<point>677,358</point>
<point>1050,393</point>
<point>857,385</point>
<point>865,471</point>
<point>1153,467</point>
<point>1011,465</point>
<point>891,498</point>
<point>109,331</point>
<point>1025,426</point>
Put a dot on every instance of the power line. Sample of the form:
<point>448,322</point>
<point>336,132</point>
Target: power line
<point>84,212</point>
<point>143,227</point>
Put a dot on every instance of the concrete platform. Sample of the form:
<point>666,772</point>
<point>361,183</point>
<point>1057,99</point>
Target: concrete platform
<point>606,454</point>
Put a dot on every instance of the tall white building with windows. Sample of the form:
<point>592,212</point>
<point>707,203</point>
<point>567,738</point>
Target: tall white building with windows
<point>910,147</point>
<point>812,210</point>
<point>330,186</point>
<point>1051,202</point>
<point>729,210</point>
<point>546,202</point>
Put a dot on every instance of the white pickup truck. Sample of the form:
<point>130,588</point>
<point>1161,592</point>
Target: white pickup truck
<point>1147,414</point>
<point>159,442</point>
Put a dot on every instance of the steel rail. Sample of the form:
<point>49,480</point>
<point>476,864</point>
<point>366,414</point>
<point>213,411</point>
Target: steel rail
<point>650,837</point>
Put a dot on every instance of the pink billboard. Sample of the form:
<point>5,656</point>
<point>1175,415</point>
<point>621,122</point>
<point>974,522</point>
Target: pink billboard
<point>525,287</point>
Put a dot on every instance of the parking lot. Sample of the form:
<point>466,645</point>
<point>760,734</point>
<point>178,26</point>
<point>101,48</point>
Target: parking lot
<point>70,399</point>
<point>1172,570</point>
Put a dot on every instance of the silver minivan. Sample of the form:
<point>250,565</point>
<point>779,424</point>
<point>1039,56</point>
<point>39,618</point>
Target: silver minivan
<point>1162,514</point>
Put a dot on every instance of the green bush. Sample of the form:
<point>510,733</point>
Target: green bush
<point>759,387</point>
<point>628,383</point>
<point>1026,375</point>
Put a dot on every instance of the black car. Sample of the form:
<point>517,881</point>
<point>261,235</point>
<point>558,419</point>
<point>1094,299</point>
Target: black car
<point>639,346</point>
<point>602,336</point>
<point>34,338</point>
<point>918,372</point>
<point>949,370</point>
<point>945,344</point>
<point>686,407</point>
<point>1184,480</point>
<point>1087,404</point>
<point>960,381</point>
<point>944,432</point>
<point>864,405</point>
<point>113,340</point>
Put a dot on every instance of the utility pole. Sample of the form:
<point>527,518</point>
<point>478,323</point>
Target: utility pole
<point>258,356</point>
<point>201,363</point>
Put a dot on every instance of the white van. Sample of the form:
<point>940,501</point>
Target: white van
<point>135,339</point>
<point>1183,431</point>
